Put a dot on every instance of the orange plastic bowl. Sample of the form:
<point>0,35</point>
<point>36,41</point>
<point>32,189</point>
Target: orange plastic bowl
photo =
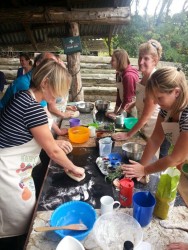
<point>78,134</point>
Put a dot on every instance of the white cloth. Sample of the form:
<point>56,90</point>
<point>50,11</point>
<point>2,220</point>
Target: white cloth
<point>148,128</point>
<point>119,86</point>
<point>17,196</point>
<point>171,130</point>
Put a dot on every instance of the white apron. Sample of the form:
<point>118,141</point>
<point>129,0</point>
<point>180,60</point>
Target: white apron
<point>171,130</point>
<point>119,86</point>
<point>148,128</point>
<point>17,195</point>
<point>17,189</point>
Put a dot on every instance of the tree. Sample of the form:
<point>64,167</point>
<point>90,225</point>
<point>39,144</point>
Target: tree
<point>172,34</point>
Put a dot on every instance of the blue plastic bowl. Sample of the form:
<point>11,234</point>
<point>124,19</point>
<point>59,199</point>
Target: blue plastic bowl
<point>129,122</point>
<point>71,213</point>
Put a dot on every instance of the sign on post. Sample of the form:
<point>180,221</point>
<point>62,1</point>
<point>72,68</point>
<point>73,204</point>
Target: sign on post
<point>72,45</point>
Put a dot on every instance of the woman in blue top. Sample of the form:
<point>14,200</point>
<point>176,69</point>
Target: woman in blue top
<point>26,64</point>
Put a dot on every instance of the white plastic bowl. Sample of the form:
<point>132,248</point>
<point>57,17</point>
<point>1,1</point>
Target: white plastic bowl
<point>111,230</point>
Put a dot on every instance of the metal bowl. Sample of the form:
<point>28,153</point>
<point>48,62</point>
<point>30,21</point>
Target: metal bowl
<point>133,151</point>
<point>85,107</point>
<point>102,105</point>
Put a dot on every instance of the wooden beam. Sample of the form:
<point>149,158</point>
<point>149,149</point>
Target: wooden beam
<point>120,15</point>
<point>30,35</point>
<point>73,63</point>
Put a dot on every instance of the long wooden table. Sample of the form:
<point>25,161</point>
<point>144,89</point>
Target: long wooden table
<point>56,189</point>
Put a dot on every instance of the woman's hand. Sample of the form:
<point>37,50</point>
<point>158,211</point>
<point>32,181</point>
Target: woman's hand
<point>65,146</point>
<point>71,108</point>
<point>120,136</point>
<point>77,171</point>
<point>177,246</point>
<point>111,115</point>
<point>68,114</point>
<point>63,131</point>
<point>128,108</point>
<point>133,170</point>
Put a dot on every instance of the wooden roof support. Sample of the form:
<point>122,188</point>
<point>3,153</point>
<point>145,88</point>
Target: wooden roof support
<point>73,61</point>
<point>119,15</point>
<point>30,35</point>
<point>109,40</point>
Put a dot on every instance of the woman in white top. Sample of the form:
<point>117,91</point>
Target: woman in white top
<point>149,55</point>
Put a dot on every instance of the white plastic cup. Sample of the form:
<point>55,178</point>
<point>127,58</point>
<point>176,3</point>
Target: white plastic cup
<point>92,131</point>
<point>105,147</point>
<point>107,204</point>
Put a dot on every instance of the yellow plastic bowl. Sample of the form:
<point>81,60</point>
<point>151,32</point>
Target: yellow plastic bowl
<point>78,134</point>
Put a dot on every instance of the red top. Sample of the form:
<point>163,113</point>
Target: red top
<point>129,77</point>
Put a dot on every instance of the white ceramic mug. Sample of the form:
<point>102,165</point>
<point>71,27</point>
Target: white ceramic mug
<point>107,204</point>
<point>70,243</point>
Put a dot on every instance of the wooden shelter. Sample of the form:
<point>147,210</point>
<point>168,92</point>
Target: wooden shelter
<point>41,25</point>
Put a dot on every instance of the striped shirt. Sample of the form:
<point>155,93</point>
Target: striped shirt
<point>22,114</point>
<point>183,122</point>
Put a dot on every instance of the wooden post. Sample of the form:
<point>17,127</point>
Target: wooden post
<point>73,61</point>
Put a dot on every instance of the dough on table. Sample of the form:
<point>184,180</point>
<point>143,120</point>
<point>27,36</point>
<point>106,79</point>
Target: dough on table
<point>76,114</point>
<point>76,178</point>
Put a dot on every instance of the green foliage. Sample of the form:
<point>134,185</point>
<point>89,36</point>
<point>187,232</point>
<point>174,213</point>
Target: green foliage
<point>172,33</point>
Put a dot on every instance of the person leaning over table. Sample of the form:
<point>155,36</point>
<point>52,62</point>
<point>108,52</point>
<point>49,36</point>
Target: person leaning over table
<point>23,83</point>
<point>147,111</point>
<point>177,246</point>
<point>168,87</point>
<point>21,142</point>
<point>126,80</point>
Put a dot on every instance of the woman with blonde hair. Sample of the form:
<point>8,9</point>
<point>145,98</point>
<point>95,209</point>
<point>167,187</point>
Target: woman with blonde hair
<point>147,111</point>
<point>126,79</point>
<point>167,87</point>
<point>20,144</point>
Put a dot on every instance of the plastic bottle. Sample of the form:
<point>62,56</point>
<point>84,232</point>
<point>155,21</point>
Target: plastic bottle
<point>128,245</point>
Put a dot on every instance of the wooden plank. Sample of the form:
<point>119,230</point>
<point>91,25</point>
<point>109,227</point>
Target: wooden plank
<point>30,35</point>
<point>119,15</point>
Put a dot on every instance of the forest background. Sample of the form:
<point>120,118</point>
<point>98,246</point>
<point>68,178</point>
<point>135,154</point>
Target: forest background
<point>171,30</point>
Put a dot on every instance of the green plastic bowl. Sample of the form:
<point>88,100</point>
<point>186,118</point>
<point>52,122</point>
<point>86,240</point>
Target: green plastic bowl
<point>185,169</point>
<point>129,122</point>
